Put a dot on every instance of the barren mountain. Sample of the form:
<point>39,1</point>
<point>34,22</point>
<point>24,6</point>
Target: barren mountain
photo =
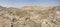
<point>30,16</point>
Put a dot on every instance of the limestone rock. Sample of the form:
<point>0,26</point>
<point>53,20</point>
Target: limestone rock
<point>30,16</point>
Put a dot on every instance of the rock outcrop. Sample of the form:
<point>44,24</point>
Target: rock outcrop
<point>30,16</point>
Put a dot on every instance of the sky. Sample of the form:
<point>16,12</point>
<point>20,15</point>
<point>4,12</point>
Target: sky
<point>21,3</point>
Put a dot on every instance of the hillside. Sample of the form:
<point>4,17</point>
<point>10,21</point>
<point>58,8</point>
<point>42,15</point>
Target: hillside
<point>30,16</point>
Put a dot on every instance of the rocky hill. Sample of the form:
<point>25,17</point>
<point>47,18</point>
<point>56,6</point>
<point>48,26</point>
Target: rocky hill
<point>30,16</point>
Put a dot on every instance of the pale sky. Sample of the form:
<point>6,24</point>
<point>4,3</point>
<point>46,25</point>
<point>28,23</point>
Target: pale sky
<point>21,3</point>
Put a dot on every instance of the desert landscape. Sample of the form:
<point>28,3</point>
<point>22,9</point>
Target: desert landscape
<point>30,16</point>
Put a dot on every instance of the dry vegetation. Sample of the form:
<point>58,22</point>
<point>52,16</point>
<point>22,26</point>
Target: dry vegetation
<point>30,16</point>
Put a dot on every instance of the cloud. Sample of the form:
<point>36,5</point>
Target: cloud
<point>20,3</point>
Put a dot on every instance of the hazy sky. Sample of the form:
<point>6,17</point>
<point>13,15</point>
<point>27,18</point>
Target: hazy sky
<point>21,3</point>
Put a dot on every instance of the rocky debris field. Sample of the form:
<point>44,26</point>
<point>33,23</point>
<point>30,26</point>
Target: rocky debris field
<point>30,16</point>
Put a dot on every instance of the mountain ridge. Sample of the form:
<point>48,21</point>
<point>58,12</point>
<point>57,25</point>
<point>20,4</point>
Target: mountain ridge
<point>30,16</point>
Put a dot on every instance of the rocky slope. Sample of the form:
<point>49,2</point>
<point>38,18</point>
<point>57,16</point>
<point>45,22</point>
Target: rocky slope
<point>30,16</point>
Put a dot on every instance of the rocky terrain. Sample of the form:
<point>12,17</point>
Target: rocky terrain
<point>30,16</point>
